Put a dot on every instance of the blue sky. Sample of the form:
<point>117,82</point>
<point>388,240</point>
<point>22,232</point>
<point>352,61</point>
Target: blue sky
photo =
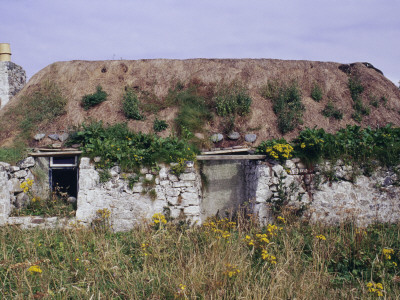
<point>44,31</point>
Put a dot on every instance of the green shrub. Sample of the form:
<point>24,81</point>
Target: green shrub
<point>232,100</point>
<point>355,86</point>
<point>352,144</point>
<point>117,145</point>
<point>316,92</point>
<point>159,125</point>
<point>287,105</point>
<point>91,100</point>
<point>130,105</point>
<point>309,145</point>
<point>331,111</point>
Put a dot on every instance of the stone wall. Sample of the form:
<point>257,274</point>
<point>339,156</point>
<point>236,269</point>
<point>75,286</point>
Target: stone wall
<point>12,80</point>
<point>328,193</point>
<point>11,194</point>
<point>180,197</point>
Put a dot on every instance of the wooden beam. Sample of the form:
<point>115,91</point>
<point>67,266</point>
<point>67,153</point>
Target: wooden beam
<point>60,153</point>
<point>230,157</point>
<point>226,151</point>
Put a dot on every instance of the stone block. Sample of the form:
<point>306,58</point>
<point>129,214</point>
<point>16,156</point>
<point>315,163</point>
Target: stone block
<point>191,210</point>
<point>190,199</point>
<point>26,163</point>
<point>172,192</point>
<point>175,212</point>
<point>20,174</point>
<point>263,194</point>
<point>172,200</point>
<point>85,163</point>
<point>183,184</point>
<point>187,176</point>
<point>14,185</point>
<point>163,173</point>
<point>172,177</point>
<point>14,169</point>
<point>279,170</point>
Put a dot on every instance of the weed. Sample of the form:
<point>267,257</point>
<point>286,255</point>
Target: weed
<point>355,86</point>
<point>331,111</point>
<point>159,125</point>
<point>105,175</point>
<point>130,105</point>
<point>316,92</point>
<point>94,99</point>
<point>117,145</point>
<point>287,105</point>
<point>231,100</point>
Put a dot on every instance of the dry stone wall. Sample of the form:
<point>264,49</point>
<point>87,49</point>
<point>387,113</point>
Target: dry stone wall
<point>177,196</point>
<point>12,80</point>
<point>329,193</point>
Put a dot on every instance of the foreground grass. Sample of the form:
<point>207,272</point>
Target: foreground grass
<point>220,260</point>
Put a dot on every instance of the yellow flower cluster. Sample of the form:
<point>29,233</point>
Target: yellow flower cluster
<point>387,252</point>
<point>103,214</point>
<point>220,227</point>
<point>281,219</point>
<point>231,270</point>
<point>321,237</point>
<point>35,269</point>
<point>159,219</point>
<point>268,257</point>
<point>279,151</point>
<point>375,288</point>
<point>26,185</point>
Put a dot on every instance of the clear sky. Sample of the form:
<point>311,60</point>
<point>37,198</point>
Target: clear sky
<point>44,31</point>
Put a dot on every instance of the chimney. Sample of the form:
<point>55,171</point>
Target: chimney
<point>5,52</point>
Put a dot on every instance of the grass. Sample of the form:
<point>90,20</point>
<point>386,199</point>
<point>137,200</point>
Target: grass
<point>40,107</point>
<point>13,154</point>
<point>214,261</point>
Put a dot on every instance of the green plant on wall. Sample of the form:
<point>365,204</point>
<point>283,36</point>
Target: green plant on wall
<point>130,105</point>
<point>94,99</point>
<point>287,105</point>
<point>117,145</point>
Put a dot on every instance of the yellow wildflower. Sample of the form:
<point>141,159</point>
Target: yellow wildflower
<point>34,269</point>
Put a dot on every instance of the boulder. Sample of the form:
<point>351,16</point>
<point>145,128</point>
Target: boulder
<point>250,138</point>
<point>217,137</point>
<point>234,135</point>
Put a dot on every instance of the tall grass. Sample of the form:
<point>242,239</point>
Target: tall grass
<point>214,261</point>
